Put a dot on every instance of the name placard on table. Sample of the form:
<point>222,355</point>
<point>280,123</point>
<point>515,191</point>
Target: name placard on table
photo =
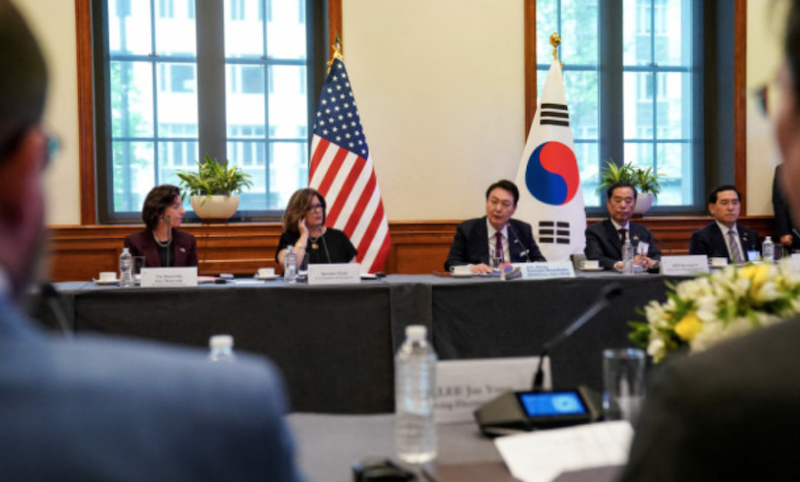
<point>169,277</point>
<point>684,265</point>
<point>464,385</point>
<point>334,274</point>
<point>550,269</point>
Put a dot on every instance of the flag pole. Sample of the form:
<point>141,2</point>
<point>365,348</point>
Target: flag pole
<point>337,52</point>
<point>555,41</point>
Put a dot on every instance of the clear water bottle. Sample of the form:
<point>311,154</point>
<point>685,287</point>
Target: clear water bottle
<point>415,393</point>
<point>126,268</point>
<point>627,254</point>
<point>290,265</point>
<point>221,348</point>
<point>768,250</point>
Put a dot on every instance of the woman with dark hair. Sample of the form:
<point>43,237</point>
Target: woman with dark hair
<point>304,229</point>
<point>161,243</point>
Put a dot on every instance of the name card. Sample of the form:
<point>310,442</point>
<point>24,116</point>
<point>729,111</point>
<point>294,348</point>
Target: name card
<point>684,265</point>
<point>550,269</point>
<point>462,386</point>
<point>169,277</point>
<point>334,274</point>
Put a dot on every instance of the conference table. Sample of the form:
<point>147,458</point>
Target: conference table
<point>327,446</point>
<point>335,344</point>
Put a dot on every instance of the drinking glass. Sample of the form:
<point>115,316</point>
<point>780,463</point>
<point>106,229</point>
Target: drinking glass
<point>623,383</point>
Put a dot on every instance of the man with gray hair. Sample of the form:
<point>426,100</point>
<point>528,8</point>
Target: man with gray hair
<point>99,408</point>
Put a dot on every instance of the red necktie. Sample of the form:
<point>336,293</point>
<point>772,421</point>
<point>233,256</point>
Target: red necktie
<point>498,248</point>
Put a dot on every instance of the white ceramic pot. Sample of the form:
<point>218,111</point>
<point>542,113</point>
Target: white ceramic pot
<point>215,207</point>
<point>643,202</point>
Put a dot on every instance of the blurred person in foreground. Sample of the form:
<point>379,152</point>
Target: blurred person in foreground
<point>788,236</point>
<point>730,413</point>
<point>495,235</point>
<point>161,242</point>
<point>304,229</point>
<point>98,408</point>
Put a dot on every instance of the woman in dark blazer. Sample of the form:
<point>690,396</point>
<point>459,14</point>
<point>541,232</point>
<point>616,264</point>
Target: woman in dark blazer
<point>161,243</point>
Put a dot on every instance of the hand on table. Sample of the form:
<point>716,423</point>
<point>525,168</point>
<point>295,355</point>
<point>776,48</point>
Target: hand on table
<point>480,268</point>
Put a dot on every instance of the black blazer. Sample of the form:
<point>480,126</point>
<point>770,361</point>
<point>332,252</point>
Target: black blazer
<point>729,413</point>
<point>471,243</point>
<point>711,242</point>
<point>603,243</point>
<point>184,248</point>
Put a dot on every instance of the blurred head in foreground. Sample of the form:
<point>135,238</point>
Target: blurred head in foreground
<point>23,151</point>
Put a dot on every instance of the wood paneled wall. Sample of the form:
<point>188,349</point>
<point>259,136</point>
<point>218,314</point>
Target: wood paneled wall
<point>80,252</point>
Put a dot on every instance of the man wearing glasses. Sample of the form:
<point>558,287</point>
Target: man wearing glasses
<point>90,408</point>
<point>495,236</point>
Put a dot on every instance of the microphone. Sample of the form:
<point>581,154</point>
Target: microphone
<point>169,238</point>
<point>662,243</point>
<point>526,252</point>
<point>609,293</point>
<point>53,299</point>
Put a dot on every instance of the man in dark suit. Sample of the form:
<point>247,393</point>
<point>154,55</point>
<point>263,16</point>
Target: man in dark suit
<point>788,235</point>
<point>496,234</point>
<point>604,239</point>
<point>724,238</point>
<point>730,413</point>
<point>97,408</point>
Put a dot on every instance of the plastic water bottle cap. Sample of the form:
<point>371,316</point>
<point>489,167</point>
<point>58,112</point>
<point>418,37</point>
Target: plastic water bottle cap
<point>221,341</point>
<point>416,332</point>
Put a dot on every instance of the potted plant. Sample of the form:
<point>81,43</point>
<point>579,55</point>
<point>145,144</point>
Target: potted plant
<point>645,181</point>
<point>213,187</point>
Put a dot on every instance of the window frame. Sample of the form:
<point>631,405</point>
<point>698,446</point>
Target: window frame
<point>715,171</point>
<point>324,24</point>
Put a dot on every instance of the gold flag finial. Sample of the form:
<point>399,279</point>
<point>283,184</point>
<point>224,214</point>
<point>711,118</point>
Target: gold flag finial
<point>337,52</point>
<point>555,41</point>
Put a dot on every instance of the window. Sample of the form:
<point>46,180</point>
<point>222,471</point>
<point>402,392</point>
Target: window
<point>166,9</point>
<point>266,62</point>
<point>577,21</point>
<point>149,95</point>
<point>650,54</point>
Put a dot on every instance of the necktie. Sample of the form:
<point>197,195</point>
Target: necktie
<point>622,235</point>
<point>736,255</point>
<point>498,248</point>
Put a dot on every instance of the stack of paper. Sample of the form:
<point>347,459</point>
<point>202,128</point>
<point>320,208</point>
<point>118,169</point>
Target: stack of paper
<point>543,456</point>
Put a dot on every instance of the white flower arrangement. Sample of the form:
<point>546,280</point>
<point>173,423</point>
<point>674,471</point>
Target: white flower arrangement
<point>701,312</point>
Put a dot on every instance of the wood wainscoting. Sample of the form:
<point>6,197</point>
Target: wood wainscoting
<point>81,252</point>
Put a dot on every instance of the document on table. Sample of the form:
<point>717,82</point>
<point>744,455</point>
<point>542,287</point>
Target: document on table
<point>542,456</point>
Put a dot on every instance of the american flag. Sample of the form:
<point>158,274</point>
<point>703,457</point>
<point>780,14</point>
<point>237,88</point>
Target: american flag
<point>342,171</point>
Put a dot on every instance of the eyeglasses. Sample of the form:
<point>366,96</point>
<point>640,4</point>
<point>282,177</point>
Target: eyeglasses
<point>53,146</point>
<point>759,96</point>
<point>314,207</point>
<point>52,143</point>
